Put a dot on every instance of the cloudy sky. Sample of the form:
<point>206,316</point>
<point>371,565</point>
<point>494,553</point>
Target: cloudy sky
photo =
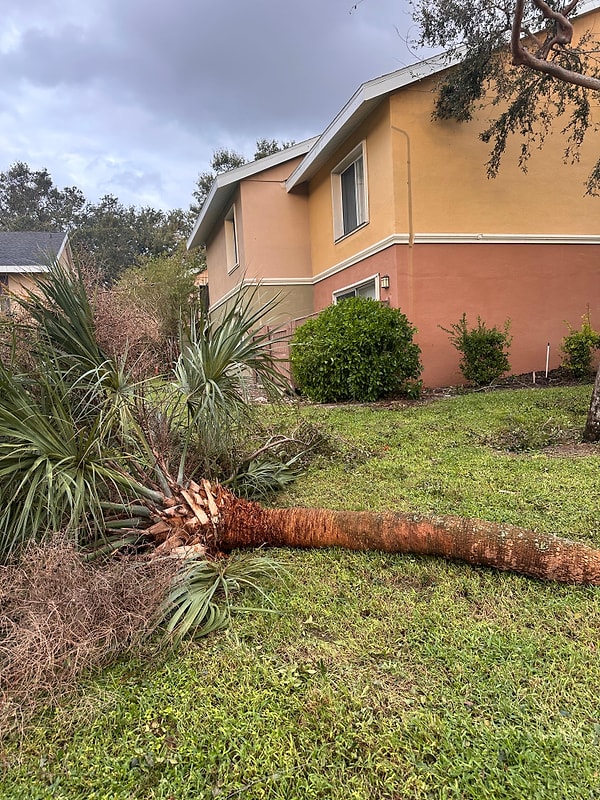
<point>131,97</point>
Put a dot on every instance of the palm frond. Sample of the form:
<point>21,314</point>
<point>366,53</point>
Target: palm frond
<point>201,600</point>
<point>57,463</point>
<point>261,477</point>
<point>219,363</point>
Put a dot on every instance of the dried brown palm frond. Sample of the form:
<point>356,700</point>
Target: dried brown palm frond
<point>61,616</point>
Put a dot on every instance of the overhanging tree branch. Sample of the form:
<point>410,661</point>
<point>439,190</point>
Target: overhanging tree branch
<point>561,38</point>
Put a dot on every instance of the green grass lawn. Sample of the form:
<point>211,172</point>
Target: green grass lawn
<point>378,677</point>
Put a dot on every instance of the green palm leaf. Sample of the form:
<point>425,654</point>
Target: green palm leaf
<point>201,600</point>
<point>219,362</point>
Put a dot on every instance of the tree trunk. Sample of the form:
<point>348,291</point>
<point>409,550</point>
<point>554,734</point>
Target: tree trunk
<point>208,519</point>
<point>477,542</point>
<point>591,431</point>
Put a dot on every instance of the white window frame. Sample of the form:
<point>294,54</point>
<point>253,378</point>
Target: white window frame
<point>232,250</point>
<point>4,297</point>
<point>337,294</point>
<point>359,153</point>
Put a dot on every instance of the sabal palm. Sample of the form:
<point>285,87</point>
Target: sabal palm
<point>219,362</point>
<point>74,455</point>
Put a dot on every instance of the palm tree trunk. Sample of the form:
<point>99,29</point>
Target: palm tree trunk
<point>591,431</point>
<point>208,519</point>
<point>504,547</point>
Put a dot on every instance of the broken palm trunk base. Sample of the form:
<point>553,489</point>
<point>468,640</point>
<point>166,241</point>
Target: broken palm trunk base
<point>207,519</point>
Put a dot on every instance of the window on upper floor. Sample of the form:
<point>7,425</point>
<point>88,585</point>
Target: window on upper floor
<point>231,242</point>
<point>349,186</point>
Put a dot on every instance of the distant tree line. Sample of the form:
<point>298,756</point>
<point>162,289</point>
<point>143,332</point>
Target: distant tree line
<point>106,234</point>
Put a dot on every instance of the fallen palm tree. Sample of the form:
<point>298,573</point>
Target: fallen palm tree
<point>83,449</point>
<point>206,519</point>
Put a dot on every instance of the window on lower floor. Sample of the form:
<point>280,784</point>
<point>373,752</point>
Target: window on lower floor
<point>231,243</point>
<point>349,188</point>
<point>367,288</point>
<point>4,299</point>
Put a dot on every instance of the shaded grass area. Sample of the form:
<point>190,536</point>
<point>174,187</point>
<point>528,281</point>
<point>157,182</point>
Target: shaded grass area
<point>380,676</point>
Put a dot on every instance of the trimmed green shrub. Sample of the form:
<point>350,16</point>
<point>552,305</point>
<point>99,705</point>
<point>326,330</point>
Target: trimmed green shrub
<point>358,349</point>
<point>484,350</point>
<point>577,349</point>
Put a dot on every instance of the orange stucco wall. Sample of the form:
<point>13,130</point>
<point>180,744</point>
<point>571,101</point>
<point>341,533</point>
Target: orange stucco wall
<point>539,287</point>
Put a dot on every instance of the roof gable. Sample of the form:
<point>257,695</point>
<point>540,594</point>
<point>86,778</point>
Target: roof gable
<point>29,251</point>
<point>225,185</point>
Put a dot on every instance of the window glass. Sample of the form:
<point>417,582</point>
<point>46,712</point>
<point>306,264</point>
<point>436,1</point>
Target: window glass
<point>349,194</point>
<point>366,289</point>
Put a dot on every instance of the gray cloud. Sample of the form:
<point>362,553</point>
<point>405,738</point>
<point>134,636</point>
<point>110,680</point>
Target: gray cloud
<point>132,96</point>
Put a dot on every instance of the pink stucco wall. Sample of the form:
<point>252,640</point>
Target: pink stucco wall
<point>540,287</point>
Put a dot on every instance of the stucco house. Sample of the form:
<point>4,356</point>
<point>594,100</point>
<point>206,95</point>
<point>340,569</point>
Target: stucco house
<point>25,254</point>
<point>391,204</point>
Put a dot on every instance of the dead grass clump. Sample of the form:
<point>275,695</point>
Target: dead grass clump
<point>61,616</point>
<point>125,329</point>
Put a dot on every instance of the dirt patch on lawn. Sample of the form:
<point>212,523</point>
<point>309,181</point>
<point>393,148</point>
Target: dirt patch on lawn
<point>572,450</point>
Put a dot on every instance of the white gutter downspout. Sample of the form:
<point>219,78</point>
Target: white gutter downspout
<point>411,227</point>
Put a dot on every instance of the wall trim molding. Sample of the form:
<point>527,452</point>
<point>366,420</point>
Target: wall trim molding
<point>506,238</point>
<point>254,282</point>
<point>420,238</point>
<point>458,238</point>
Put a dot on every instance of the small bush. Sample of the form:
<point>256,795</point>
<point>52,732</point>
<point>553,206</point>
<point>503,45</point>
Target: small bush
<point>358,349</point>
<point>484,350</point>
<point>578,349</point>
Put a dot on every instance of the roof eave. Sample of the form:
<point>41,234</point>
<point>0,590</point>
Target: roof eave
<point>367,96</point>
<point>225,185</point>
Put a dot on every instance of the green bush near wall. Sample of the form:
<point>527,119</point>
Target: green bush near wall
<point>484,351</point>
<point>358,349</point>
<point>578,348</point>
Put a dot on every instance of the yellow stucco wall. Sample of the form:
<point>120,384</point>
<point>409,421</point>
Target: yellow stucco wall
<point>325,252</point>
<point>451,192</point>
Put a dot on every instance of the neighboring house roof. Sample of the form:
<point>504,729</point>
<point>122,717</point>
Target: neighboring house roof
<point>30,251</point>
<point>224,186</point>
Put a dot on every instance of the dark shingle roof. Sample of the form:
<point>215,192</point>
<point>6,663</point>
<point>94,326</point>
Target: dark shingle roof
<point>29,248</point>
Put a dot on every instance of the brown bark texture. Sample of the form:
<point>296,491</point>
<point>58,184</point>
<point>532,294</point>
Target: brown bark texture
<point>562,37</point>
<point>208,520</point>
<point>591,432</point>
<point>477,542</point>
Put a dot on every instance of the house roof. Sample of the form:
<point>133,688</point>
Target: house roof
<point>224,186</point>
<point>29,251</point>
<point>318,150</point>
<point>358,108</point>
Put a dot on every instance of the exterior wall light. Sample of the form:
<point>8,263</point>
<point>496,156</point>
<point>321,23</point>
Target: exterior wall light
<point>384,281</point>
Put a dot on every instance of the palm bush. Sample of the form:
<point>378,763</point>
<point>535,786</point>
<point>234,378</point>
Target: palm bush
<point>81,444</point>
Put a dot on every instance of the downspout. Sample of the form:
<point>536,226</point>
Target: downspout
<point>411,228</point>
